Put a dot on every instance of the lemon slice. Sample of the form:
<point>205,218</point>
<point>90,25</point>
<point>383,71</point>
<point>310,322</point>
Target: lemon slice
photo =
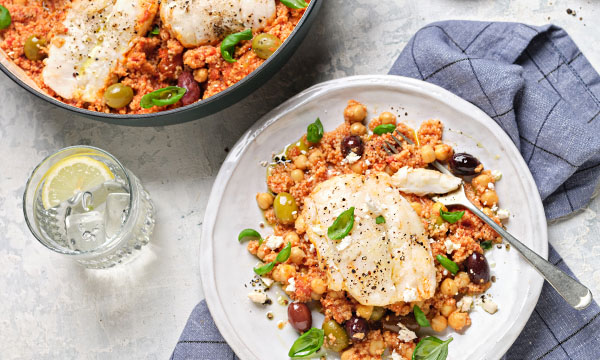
<point>72,175</point>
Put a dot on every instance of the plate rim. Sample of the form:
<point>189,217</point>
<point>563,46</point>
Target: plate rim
<point>231,161</point>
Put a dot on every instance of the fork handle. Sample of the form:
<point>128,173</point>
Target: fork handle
<point>577,295</point>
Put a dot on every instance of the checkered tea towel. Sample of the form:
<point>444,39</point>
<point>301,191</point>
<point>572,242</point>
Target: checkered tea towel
<point>535,83</point>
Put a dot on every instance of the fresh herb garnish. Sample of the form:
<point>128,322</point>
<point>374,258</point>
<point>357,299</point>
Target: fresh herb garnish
<point>342,225</point>
<point>486,245</point>
<point>447,263</point>
<point>307,344</point>
<point>284,254</point>
<point>420,317</point>
<point>249,234</point>
<point>451,216</point>
<point>265,269</point>
<point>385,128</point>
<point>295,4</point>
<point>229,43</point>
<point>380,220</point>
<point>314,132</point>
<point>155,31</point>
<point>431,348</point>
<point>5,18</point>
<point>161,97</point>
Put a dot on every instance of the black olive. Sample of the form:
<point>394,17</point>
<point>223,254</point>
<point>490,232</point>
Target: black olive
<point>357,328</point>
<point>478,268</point>
<point>353,144</point>
<point>390,322</point>
<point>463,164</point>
<point>299,316</point>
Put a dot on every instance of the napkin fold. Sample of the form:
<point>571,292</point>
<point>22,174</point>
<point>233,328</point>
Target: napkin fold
<point>536,84</point>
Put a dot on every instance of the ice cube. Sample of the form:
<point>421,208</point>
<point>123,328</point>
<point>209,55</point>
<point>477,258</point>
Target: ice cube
<point>85,232</point>
<point>117,205</point>
<point>93,198</point>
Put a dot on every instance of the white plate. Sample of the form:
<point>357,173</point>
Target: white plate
<point>226,266</point>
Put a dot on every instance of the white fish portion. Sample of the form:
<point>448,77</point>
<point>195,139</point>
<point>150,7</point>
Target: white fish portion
<point>378,264</point>
<point>99,34</point>
<point>424,181</point>
<point>202,22</point>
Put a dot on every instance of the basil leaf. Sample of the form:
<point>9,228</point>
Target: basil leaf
<point>295,4</point>
<point>155,31</point>
<point>261,270</point>
<point>451,216</point>
<point>249,234</point>
<point>5,18</point>
<point>380,220</point>
<point>420,317</point>
<point>431,348</point>
<point>486,245</point>
<point>161,97</point>
<point>307,344</point>
<point>386,128</point>
<point>342,225</point>
<point>447,263</point>
<point>314,132</point>
<point>229,43</point>
<point>284,254</point>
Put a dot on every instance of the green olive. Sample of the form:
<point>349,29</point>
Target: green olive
<point>341,338</point>
<point>118,95</point>
<point>33,48</point>
<point>377,313</point>
<point>285,208</point>
<point>301,145</point>
<point>264,45</point>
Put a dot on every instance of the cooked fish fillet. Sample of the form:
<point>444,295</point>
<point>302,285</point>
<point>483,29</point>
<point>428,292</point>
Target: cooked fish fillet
<point>98,35</point>
<point>377,264</point>
<point>424,181</point>
<point>202,22</point>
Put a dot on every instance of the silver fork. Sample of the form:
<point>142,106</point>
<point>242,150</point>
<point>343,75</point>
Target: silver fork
<point>574,293</point>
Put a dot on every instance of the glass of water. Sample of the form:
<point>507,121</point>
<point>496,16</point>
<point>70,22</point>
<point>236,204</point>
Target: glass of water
<point>83,203</point>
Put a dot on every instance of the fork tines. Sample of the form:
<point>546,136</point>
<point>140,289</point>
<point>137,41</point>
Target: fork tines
<point>390,148</point>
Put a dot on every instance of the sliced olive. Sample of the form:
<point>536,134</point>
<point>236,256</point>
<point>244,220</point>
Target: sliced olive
<point>264,45</point>
<point>341,338</point>
<point>118,95</point>
<point>34,48</point>
<point>285,208</point>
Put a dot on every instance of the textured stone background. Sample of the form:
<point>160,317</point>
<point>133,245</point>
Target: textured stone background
<point>51,308</point>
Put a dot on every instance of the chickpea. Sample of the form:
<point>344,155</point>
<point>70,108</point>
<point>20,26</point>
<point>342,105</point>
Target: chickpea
<point>355,112</point>
<point>300,225</point>
<point>439,323</point>
<point>443,152</point>
<point>201,75</point>
<point>283,272</point>
<point>389,170</point>
<point>364,311</point>
<point>449,287</point>
<point>347,355</point>
<point>489,197</point>
<point>481,180</point>
<point>297,255</point>
<point>297,175</point>
<point>417,207</point>
<point>448,307</point>
<point>358,129</point>
<point>291,238</point>
<point>318,286</point>
<point>428,154</point>
<point>264,200</point>
<point>315,156</point>
<point>488,211</point>
<point>376,347</point>
<point>462,279</point>
<point>437,206</point>
<point>315,296</point>
<point>458,320</point>
<point>261,252</point>
<point>357,167</point>
<point>387,118</point>
<point>301,162</point>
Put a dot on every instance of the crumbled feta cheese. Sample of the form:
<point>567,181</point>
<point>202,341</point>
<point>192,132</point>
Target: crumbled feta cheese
<point>317,229</point>
<point>491,186</point>
<point>373,206</point>
<point>344,243</point>
<point>311,248</point>
<point>465,303</point>
<point>503,214</point>
<point>266,281</point>
<point>291,285</point>
<point>258,297</point>
<point>263,163</point>
<point>496,174</point>
<point>367,162</point>
<point>487,304</point>
<point>410,294</point>
<point>273,242</point>
<point>495,208</point>
<point>396,356</point>
<point>404,334</point>
<point>450,246</point>
<point>351,158</point>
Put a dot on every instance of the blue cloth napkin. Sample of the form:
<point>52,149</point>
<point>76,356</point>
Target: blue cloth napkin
<point>535,83</point>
